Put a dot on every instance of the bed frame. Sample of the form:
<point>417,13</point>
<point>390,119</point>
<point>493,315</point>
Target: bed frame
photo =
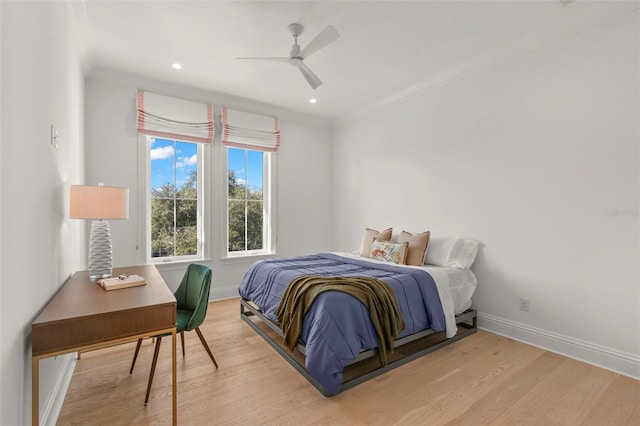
<point>466,321</point>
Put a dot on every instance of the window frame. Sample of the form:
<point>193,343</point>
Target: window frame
<point>268,206</point>
<point>201,200</point>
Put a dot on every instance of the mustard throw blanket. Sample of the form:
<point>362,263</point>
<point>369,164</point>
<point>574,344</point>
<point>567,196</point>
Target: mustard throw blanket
<point>375,294</point>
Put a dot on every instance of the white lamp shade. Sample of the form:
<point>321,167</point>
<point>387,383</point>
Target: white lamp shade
<point>98,202</point>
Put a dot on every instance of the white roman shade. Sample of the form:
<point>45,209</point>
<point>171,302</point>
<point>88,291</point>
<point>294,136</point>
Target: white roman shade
<point>173,118</point>
<point>250,131</point>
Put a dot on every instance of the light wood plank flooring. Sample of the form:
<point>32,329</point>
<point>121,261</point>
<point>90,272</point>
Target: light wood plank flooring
<point>484,379</point>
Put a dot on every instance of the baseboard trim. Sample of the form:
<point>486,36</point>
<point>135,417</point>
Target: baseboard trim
<point>222,293</point>
<point>53,407</point>
<point>619,362</point>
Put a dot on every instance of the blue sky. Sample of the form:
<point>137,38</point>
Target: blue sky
<point>163,155</point>
<point>240,162</point>
<point>185,155</point>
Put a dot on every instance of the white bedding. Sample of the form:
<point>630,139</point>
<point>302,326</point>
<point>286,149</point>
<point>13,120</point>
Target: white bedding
<point>455,287</point>
<point>462,284</point>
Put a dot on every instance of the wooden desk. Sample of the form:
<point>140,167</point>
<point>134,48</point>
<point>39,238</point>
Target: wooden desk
<point>82,316</point>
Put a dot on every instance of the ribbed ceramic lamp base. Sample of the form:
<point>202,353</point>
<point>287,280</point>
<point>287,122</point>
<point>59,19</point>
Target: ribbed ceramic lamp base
<point>100,253</point>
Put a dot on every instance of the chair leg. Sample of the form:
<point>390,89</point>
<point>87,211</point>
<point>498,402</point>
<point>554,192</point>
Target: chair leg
<point>135,355</point>
<point>182,342</point>
<point>204,343</point>
<point>153,369</point>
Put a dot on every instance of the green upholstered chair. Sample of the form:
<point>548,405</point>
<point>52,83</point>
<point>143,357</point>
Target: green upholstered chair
<point>192,296</point>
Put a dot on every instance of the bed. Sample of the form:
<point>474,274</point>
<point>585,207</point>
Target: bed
<point>338,332</point>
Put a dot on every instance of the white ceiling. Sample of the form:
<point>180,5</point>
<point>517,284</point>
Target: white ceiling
<point>386,50</point>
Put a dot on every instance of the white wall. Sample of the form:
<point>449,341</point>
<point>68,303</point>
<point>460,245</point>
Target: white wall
<point>537,159</point>
<point>41,84</point>
<point>303,192</point>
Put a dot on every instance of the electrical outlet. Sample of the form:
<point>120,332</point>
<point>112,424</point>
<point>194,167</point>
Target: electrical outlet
<point>524,304</point>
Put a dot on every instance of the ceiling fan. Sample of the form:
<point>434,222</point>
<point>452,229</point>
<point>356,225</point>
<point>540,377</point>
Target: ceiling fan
<point>296,56</point>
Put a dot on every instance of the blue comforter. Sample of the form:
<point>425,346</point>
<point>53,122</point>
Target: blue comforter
<point>338,327</point>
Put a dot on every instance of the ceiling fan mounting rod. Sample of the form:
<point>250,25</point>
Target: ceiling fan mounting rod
<point>295,49</point>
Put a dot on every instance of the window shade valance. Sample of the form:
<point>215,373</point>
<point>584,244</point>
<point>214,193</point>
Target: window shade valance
<point>174,118</point>
<point>250,131</point>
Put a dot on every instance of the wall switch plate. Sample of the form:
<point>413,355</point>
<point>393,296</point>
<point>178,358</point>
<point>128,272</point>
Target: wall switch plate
<point>524,304</point>
<point>54,136</point>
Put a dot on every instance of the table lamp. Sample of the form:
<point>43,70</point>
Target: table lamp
<point>99,203</point>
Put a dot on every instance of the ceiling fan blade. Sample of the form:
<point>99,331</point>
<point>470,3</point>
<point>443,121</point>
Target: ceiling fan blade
<point>312,79</point>
<point>325,37</point>
<point>275,59</point>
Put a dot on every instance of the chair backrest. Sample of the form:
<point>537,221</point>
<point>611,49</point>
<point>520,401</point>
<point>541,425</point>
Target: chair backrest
<point>193,293</point>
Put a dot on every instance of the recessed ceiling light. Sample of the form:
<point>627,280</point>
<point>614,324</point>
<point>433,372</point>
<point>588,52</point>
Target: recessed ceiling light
<point>313,100</point>
<point>177,66</point>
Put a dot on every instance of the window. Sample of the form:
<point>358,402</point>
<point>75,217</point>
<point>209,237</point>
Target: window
<point>175,198</point>
<point>249,215</point>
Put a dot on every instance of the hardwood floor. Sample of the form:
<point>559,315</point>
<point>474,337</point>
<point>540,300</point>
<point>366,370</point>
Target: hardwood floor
<point>484,379</point>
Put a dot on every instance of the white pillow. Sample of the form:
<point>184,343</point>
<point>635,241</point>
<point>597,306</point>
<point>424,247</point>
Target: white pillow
<point>457,252</point>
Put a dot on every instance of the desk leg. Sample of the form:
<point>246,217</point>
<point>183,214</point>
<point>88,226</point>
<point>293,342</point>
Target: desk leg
<point>35,391</point>
<point>173,367</point>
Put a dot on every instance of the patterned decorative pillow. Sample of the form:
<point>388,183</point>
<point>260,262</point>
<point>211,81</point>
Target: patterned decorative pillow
<point>389,251</point>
